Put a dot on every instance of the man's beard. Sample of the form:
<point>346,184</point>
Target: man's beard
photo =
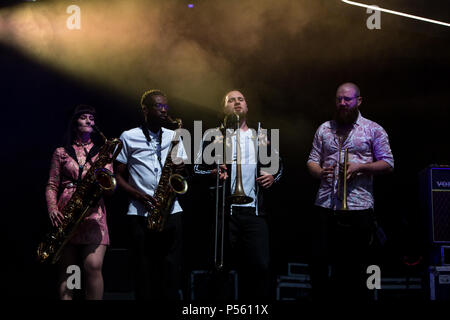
<point>344,117</point>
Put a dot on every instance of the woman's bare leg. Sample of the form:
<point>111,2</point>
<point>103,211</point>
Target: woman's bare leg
<point>92,265</point>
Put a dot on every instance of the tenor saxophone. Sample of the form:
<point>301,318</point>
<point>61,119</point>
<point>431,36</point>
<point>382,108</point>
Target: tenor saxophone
<point>169,186</point>
<point>88,193</point>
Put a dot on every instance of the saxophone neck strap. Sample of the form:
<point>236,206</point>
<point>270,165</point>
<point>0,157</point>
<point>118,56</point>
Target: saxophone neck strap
<point>89,155</point>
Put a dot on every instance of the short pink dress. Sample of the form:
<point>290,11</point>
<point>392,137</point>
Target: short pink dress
<point>63,173</point>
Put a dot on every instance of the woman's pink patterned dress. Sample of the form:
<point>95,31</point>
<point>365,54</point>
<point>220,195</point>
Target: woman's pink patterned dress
<point>63,172</point>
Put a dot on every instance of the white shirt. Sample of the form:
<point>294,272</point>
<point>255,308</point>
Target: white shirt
<point>248,167</point>
<point>144,167</point>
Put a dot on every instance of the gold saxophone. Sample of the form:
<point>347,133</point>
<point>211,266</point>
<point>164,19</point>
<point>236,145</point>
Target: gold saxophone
<point>87,194</point>
<point>170,185</point>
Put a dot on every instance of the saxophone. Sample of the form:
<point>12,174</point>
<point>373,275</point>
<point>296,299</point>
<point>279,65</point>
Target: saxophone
<point>170,185</point>
<point>88,193</point>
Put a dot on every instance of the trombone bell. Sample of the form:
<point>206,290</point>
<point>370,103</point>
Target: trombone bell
<point>238,196</point>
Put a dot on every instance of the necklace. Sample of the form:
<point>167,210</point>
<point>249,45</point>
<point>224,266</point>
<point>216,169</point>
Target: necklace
<point>81,144</point>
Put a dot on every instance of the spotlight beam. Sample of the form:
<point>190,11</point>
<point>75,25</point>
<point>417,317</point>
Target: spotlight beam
<point>396,13</point>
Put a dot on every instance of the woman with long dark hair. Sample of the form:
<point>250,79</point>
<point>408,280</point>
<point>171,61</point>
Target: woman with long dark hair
<point>69,165</point>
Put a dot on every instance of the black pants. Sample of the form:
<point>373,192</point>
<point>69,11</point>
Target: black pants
<point>157,259</point>
<point>341,239</point>
<point>249,248</point>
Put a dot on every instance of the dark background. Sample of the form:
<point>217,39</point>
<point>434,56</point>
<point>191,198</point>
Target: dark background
<point>289,79</point>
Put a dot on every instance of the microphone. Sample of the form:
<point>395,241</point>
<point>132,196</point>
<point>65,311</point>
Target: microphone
<point>230,121</point>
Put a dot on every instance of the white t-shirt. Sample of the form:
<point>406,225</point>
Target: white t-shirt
<point>145,160</point>
<point>248,166</point>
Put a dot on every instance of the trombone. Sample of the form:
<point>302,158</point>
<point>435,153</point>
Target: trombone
<point>238,196</point>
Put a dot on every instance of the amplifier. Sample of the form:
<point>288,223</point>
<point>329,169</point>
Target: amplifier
<point>397,289</point>
<point>296,287</point>
<point>434,184</point>
<point>439,283</point>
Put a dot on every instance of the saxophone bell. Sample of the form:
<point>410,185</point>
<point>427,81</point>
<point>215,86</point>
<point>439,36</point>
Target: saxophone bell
<point>105,179</point>
<point>178,183</point>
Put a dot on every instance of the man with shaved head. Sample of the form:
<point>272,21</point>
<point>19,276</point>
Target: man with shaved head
<point>344,232</point>
<point>247,235</point>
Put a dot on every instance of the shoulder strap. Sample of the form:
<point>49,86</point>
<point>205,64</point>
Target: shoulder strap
<point>71,152</point>
<point>145,132</point>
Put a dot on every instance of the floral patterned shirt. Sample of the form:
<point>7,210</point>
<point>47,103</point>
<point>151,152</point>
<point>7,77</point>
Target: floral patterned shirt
<point>366,142</point>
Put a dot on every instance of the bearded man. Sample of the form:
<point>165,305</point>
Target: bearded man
<point>343,234</point>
